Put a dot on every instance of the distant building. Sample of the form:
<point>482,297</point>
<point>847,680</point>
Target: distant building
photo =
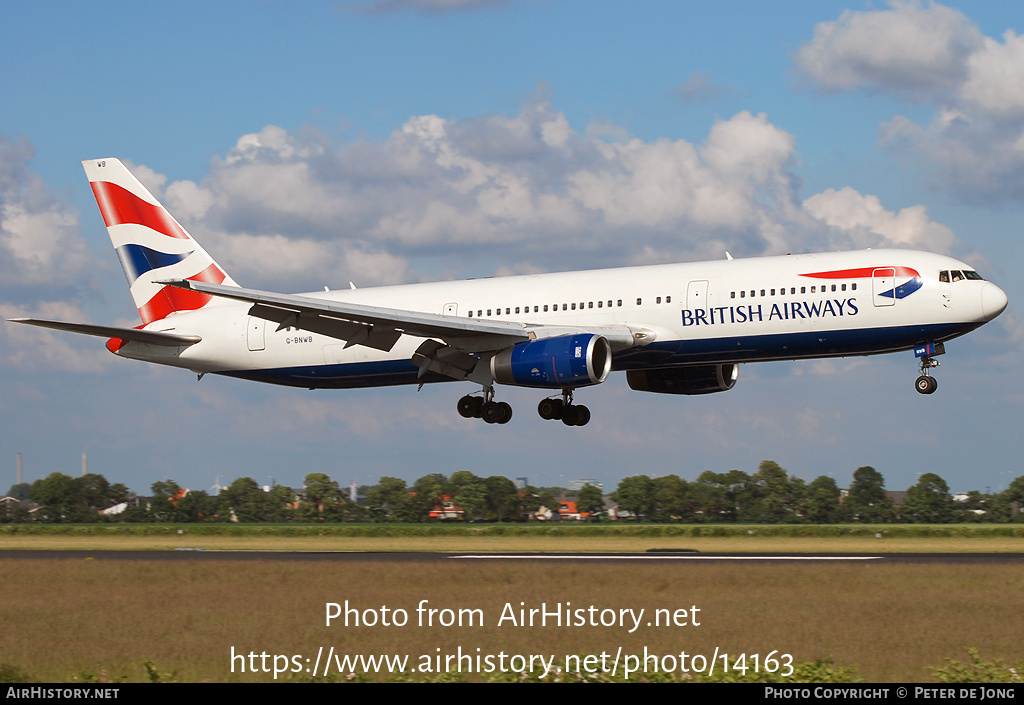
<point>447,509</point>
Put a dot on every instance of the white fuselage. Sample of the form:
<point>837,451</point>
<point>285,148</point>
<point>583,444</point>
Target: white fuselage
<point>742,310</point>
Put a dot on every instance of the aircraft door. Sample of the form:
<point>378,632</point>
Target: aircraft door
<point>697,295</point>
<point>883,286</point>
<point>255,334</point>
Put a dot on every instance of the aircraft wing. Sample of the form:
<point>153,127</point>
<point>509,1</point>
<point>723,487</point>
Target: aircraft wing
<point>133,334</point>
<point>359,324</point>
<point>379,327</point>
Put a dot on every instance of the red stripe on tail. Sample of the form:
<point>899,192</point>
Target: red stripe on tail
<point>119,205</point>
<point>170,298</point>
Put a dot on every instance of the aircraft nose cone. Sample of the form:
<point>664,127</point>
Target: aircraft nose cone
<point>993,301</point>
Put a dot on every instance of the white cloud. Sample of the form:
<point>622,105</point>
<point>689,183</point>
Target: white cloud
<point>974,144</point>
<point>25,347</point>
<point>39,240</point>
<point>290,209</point>
<point>868,224</point>
<point>995,81</point>
<point>915,51</point>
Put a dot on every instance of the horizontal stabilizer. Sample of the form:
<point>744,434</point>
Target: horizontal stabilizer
<point>133,334</point>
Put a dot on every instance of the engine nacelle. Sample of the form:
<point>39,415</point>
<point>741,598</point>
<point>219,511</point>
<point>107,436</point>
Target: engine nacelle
<point>554,363</point>
<point>684,380</point>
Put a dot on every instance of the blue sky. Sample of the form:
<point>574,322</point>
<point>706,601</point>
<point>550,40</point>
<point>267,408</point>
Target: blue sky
<point>412,140</point>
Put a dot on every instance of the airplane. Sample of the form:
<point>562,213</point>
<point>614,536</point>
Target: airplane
<point>673,328</point>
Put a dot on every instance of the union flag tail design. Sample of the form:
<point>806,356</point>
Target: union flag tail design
<point>150,243</point>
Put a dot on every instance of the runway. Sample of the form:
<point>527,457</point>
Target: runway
<point>199,554</point>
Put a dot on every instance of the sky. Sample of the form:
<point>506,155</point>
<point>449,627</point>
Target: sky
<point>397,141</point>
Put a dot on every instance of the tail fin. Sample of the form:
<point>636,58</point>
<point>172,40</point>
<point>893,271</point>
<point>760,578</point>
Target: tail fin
<point>150,243</point>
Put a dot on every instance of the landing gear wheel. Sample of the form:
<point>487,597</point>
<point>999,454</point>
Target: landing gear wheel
<point>926,384</point>
<point>506,412</point>
<point>582,415</point>
<point>469,407</point>
<point>491,412</point>
<point>496,412</point>
<point>550,409</point>
<point>570,414</point>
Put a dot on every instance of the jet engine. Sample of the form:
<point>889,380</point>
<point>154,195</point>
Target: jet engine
<point>684,380</point>
<point>555,363</point>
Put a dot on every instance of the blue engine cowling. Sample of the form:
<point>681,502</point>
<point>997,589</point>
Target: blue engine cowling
<point>684,380</point>
<point>555,363</point>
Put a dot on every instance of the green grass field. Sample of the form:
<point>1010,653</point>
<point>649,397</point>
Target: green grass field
<point>66,618</point>
<point>972,538</point>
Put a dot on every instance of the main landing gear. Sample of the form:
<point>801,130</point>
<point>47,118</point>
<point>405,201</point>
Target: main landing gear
<point>485,408</point>
<point>475,407</point>
<point>570,414</point>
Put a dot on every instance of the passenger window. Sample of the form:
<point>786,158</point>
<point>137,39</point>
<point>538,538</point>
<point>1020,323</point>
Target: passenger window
<point>574,306</point>
<point>620,303</point>
<point>743,294</point>
<point>657,300</point>
<point>843,287</point>
<point>545,308</point>
<point>854,286</point>
<point>803,290</point>
<point>833,287</point>
<point>565,307</point>
<point>668,299</point>
<point>638,302</point>
<point>590,304</point>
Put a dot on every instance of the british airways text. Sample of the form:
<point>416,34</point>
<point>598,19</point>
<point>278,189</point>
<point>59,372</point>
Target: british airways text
<point>760,312</point>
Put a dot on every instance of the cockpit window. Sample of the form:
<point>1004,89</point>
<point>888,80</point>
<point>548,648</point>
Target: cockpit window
<point>956,275</point>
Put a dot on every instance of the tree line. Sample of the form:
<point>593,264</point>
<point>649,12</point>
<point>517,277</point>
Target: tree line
<point>769,496</point>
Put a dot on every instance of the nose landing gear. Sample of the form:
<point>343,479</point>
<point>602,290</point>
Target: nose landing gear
<point>926,384</point>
